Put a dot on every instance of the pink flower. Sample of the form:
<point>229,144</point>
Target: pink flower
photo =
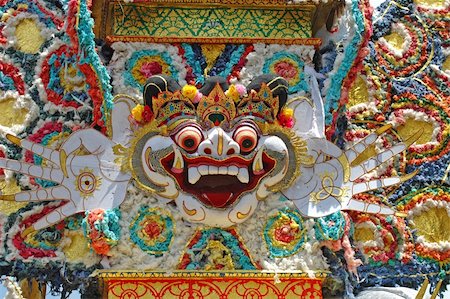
<point>241,89</point>
<point>197,98</point>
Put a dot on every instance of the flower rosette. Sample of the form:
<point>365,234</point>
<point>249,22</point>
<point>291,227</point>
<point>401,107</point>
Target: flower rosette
<point>101,228</point>
<point>51,134</point>
<point>428,213</point>
<point>367,97</point>
<point>47,13</point>
<point>145,63</point>
<point>133,63</point>
<point>406,50</point>
<point>284,233</point>
<point>410,112</point>
<point>286,61</point>
<point>382,239</point>
<point>290,67</point>
<point>152,230</point>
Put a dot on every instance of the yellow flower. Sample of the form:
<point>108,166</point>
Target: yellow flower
<point>137,112</point>
<point>233,93</point>
<point>189,91</point>
<point>288,112</point>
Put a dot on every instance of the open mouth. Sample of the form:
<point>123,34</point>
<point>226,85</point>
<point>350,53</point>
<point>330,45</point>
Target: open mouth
<point>217,183</point>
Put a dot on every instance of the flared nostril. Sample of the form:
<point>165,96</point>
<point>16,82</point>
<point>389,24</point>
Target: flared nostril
<point>207,151</point>
<point>231,151</point>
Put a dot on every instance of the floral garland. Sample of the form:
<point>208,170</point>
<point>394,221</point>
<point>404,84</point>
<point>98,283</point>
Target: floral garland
<point>290,67</point>
<point>129,254</point>
<point>41,246</point>
<point>284,234</point>
<point>436,114</point>
<point>152,230</point>
<point>20,113</point>
<point>89,62</point>
<point>308,258</point>
<point>63,86</point>
<point>46,16</point>
<point>382,239</point>
<point>101,229</point>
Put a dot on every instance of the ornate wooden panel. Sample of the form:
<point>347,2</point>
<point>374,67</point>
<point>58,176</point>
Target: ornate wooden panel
<point>210,285</point>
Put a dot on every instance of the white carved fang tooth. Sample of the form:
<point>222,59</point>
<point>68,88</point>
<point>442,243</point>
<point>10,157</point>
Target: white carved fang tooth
<point>243,175</point>
<point>223,170</point>
<point>178,163</point>
<point>213,170</point>
<point>203,169</point>
<point>233,170</point>
<point>257,165</point>
<point>193,175</point>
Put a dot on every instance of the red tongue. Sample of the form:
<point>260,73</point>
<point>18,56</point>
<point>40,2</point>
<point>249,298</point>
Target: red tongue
<point>217,199</point>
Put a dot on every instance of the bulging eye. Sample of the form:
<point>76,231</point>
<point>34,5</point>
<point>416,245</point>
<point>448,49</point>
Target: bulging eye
<point>189,138</point>
<point>246,137</point>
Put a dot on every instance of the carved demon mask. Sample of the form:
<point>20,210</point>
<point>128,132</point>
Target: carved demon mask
<point>216,151</point>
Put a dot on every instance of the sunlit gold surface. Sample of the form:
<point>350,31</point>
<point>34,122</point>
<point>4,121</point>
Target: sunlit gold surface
<point>433,224</point>
<point>395,40</point>
<point>363,234</point>
<point>358,92</point>
<point>411,126</point>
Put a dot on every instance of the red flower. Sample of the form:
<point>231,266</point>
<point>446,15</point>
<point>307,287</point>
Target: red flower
<point>147,114</point>
<point>151,68</point>
<point>153,230</point>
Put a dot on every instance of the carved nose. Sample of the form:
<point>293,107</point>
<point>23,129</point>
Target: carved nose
<point>218,145</point>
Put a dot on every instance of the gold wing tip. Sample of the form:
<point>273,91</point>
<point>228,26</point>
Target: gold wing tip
<point>14,139</point>
<point>383,129</point>
<point>63,162</point>
<point>8,197</point>
<point>413,138</point>
<point>409,176</point>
